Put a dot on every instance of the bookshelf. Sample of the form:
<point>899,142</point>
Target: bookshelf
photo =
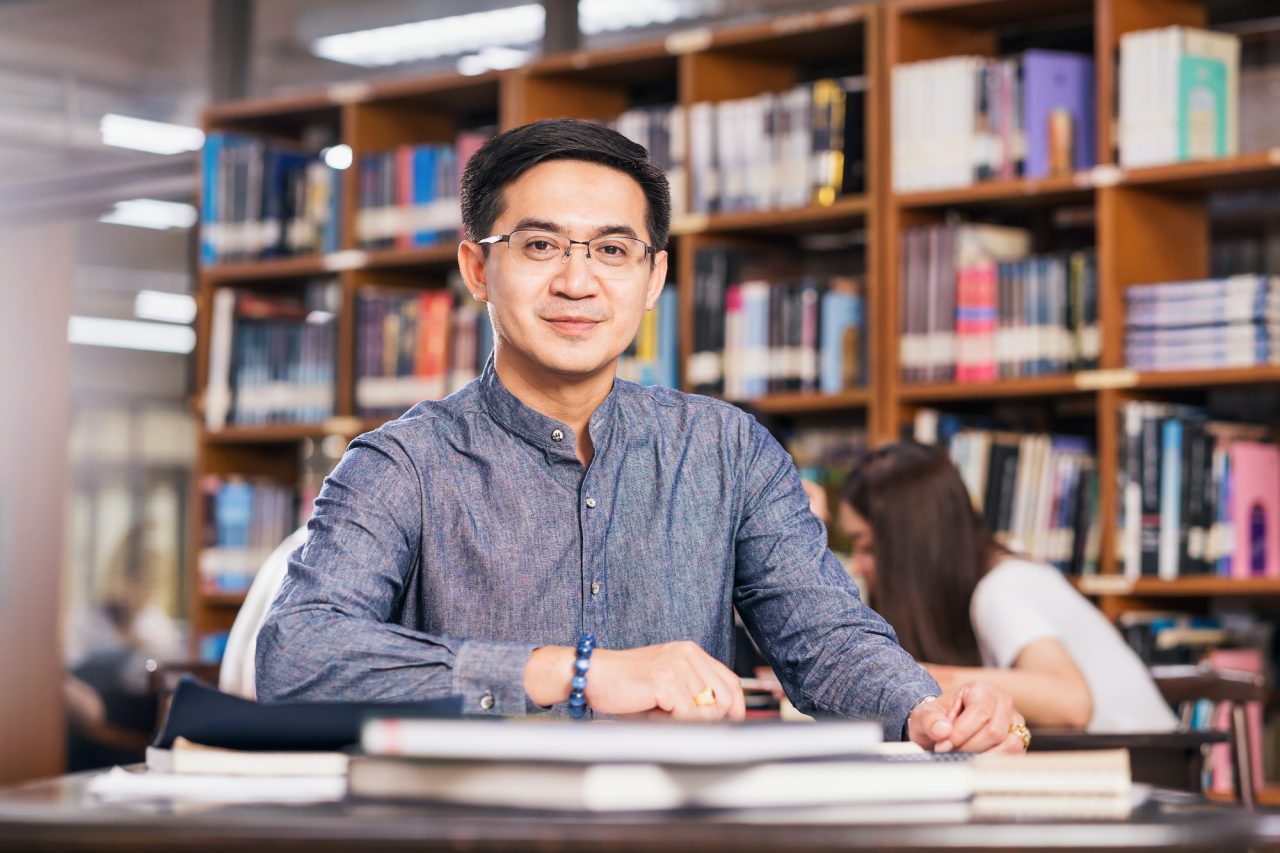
<point>701,65</point>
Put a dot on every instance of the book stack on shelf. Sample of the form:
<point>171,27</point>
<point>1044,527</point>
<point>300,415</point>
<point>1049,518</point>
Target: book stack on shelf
<point>265,198</point>
<point>778,149</point>
<point>977,306</point>
<point>653,357</point>
<point>248,518</point>
<point>661,130</point>
<point>272,356</point>
<point>1198,325</point>
<point>962,119</point>
<point>1038,493</point>
<point>755,335</point>
<point>408,196</point>
<point>1199,496</point>
<point>1179,96</point>
<point>414,345</point>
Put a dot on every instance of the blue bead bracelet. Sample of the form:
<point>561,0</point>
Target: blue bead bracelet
<point>578,696</point>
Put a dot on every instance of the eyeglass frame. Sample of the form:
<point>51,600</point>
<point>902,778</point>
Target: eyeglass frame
<point>495,239</point>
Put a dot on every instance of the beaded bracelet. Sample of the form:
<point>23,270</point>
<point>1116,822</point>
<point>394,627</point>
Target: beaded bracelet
<point>578,697</point>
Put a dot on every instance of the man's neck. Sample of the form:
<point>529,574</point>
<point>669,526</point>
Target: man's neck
<point>570,400</point>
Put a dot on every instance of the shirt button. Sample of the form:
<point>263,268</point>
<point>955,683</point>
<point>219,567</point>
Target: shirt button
<point>557,435</point>
<point>591,503</point>
<point>595,587</point>
<point>486,702</point>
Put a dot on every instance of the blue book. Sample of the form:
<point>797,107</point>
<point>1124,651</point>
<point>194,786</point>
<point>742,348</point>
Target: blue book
<point>1170,498</point>
<point>424,189</point>
<point>1058,105</point>
<point>840,312</point>
<point>210,208</point>
<point>668,351</point>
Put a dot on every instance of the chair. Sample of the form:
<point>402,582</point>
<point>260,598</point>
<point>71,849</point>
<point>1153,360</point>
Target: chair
<point>1184,686</point>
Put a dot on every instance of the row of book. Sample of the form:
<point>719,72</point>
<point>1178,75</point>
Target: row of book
<point>245,519</point>
<point>969,118</point>
<point>653,357</point>
<point>1197,496</point>
<point>755,335</point>
<point>414,345</point>
<point>661,130</point>
<point>264,199</point>
<point>1038,493</point>
<point>1214,323</point>
<point>794,148</point>
<point>1178,95</point>
<point>975,306</point>
<point>408,196</point>
<point>272,358</point>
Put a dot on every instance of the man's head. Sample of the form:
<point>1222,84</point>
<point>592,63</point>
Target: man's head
<point>531,199</point>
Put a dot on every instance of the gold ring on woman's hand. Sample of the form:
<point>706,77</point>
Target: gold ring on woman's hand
<point>706,697</point>
<point>1021,730</point>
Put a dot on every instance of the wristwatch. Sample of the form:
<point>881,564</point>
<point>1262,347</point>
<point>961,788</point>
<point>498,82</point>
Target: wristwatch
<point>906,724</point>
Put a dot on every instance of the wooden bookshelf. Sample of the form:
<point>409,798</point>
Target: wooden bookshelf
<point>791,404</point>
<point>1007,193</point>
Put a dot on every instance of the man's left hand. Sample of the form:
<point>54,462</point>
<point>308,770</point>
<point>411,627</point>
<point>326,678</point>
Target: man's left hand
<point>976,717</point>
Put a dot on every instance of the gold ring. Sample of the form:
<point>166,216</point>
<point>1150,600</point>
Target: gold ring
<point>706,697</point>
<point>1021,730</point>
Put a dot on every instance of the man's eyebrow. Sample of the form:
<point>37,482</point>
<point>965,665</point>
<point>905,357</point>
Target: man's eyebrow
<point>531,224</point>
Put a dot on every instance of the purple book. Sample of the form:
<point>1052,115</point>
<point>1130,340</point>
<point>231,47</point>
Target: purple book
<point>1058,105</point>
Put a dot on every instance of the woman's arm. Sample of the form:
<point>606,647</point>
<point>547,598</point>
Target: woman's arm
<point>1047,686</point>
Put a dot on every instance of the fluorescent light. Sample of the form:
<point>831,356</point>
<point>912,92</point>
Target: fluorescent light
<point>151,213</point>
<point>321,317</point>
<point>164,307</point>
<point>157,137</point>
<point>338,157</point>
<point>602,16</point>
<point>431,39</point>
<point>130,334</point>
<point>492,59</point>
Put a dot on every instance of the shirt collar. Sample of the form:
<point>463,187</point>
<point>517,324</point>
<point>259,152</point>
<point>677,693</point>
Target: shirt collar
<point>535,427</point>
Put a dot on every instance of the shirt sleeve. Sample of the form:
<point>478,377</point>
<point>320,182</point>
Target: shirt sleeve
<point>832,653</point>
<point>1006,617</point>
<point>330,636</point>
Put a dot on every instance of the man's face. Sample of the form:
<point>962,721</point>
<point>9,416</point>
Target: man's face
<point>573,319</point>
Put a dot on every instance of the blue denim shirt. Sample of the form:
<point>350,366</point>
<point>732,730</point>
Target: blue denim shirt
<point>450,543</point>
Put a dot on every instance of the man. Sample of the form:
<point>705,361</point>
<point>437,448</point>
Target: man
<point>463,548</point>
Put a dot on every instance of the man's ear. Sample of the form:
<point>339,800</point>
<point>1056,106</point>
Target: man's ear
<point>657,279</point>
<point>471,265</point>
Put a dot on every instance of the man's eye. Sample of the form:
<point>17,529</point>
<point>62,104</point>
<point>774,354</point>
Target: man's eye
<point>541,245</point>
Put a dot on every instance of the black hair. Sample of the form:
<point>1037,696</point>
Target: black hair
<point>507,156</point>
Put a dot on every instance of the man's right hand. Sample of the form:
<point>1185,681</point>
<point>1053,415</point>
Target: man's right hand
<point>659,681</point>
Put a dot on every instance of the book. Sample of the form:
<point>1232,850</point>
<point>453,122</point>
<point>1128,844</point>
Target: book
<point>1058,93</point>
<point>188,758</point>
<point>1255,509</point>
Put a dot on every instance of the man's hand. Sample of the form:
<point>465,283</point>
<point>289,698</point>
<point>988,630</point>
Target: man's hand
<point>976,717</point>
<point>660,681</point>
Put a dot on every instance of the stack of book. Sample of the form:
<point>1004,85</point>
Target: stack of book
<point>263,199</point>
<point>272,357</point>
<point>661,130</point>
<point>1197,496</point>
<point>1178,96</point>
<point>245,519</point>
<point>409,195</point>
<point>1216,323</point>
<point>968,118</point>
<point>777,149</point>
<point>754,336</point>
<point>652,357</point>
<point>975,306</point>
<point>1038,493</point>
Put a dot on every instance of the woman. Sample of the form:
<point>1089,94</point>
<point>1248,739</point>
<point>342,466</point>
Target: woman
<point>973,609</point>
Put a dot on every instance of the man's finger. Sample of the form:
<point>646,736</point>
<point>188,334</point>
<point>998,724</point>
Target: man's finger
<point>978,707</point>
<point>932,725</point>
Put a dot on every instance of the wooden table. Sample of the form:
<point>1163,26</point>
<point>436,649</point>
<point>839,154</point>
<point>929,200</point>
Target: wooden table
<point>56,815</point>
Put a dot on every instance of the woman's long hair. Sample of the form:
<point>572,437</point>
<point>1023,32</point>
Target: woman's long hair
<point>931,548</point>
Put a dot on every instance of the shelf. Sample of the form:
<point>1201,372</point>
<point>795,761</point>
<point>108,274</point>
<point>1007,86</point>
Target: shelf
<point>1035,386</point>
<point>1261,374</point>
<point>282,433</point>
<point>1043,192</point>
<point>444,254</point>
<point>798,403</point>
<point>793,220</point>
<point>1246,171</point>
<point>235,272</point>
<point>1199,586</point>
<point>222,599</point>
<point>993,13</point>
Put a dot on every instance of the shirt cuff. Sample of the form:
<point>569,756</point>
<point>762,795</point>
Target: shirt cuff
<point>903,701</point>
<point>489,676</point>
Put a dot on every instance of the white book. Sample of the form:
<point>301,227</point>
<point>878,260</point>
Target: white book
<point>187,758</point>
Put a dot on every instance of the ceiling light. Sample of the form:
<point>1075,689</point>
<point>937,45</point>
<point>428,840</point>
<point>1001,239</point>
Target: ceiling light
<point>492,59</point>
<point>431,39</point>
<point>130,334</point>
<point>157,137</point>
<point>164,307</point>
<point>150,213</point>
<point>601,16</point>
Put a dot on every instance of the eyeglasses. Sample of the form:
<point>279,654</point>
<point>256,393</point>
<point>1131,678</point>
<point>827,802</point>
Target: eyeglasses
<point>612,256</point>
